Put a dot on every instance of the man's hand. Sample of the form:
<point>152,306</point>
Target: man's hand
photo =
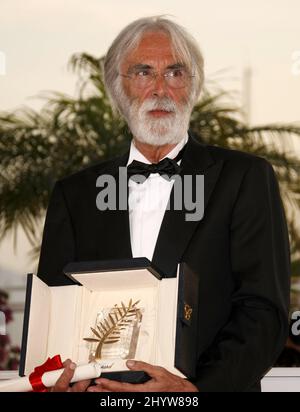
<point>161,381</point>
<point>63,383</point>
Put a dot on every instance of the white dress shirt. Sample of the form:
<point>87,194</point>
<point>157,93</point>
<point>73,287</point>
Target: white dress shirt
<point>147,203</point>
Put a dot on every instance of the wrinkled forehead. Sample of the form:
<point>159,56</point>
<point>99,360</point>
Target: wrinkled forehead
<point>154,49</point>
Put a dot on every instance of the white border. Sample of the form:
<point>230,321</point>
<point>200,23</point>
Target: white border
<point>8,375</point>
<point>282,380</point>
<point>283,372</point>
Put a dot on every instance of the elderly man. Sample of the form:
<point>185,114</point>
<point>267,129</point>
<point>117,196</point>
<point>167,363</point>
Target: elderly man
<point>239,248</point>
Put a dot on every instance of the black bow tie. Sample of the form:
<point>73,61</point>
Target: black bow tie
<point>166,166</point>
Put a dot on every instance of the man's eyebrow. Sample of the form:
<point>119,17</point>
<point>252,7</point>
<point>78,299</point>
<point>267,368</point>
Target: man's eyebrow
<point>142,66</point>
<point>139,66</point>
<point>176,66</point>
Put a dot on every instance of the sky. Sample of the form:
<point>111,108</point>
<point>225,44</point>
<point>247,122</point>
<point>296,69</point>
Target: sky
<point>38,37</point>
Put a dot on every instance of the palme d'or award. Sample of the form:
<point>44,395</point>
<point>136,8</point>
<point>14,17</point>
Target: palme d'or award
<point>135,313</point>
<point>116,332</point>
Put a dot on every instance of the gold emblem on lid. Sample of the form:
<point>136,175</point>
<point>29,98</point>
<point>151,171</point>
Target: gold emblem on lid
<point>187,312</point>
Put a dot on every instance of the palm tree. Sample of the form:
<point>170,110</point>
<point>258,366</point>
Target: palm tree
<point>37,148</point>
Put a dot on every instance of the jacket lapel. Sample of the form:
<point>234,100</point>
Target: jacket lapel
<point>175,232</point>
<point>117,237</point>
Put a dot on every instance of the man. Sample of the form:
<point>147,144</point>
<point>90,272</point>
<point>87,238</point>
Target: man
<point>239,249</point>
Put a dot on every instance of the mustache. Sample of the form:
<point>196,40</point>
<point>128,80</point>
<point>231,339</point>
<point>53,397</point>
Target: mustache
<point>164,103</point>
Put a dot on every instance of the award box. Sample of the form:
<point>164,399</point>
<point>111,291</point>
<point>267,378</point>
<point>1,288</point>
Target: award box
<point>116,310</point>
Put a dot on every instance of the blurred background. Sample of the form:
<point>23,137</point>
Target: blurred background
<point>55,117</point>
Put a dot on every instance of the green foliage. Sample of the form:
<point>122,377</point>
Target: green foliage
<point>68,134</point>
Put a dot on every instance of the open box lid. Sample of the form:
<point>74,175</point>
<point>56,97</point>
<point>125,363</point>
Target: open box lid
<point>107,275</point>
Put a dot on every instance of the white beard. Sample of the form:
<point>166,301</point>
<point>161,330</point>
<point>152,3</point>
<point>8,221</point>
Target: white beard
<point>157,131</point>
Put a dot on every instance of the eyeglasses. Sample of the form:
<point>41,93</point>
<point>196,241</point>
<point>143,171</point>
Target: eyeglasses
<point>175,78</point>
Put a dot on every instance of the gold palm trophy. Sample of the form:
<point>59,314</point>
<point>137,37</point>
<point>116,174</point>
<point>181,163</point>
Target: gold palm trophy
<point>116,332</point>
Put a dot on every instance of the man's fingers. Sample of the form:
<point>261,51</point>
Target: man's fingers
<point>97,388</point>
<point>67,363</point>
<point>63,382</point>
<point>152,371</point>
<point>81,386</point>
<point>105,385</point>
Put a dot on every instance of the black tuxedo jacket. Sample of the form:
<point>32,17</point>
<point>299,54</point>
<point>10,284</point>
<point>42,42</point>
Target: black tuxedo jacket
<point>240,251</point>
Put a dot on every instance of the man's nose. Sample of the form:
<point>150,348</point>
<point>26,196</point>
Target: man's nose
<point>159,86</point>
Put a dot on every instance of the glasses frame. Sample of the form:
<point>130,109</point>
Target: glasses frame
<point>154,75</point>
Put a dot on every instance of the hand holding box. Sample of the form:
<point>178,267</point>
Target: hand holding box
<point>47,379</point>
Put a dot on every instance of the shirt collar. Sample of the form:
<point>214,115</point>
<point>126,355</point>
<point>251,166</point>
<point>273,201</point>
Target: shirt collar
<point>135,154</point>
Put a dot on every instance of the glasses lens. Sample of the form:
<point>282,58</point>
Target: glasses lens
<point>143,81</point>
<point>175,79</point>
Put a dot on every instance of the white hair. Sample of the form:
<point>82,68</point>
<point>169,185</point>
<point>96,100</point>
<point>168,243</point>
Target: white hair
<point>184,46</point>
